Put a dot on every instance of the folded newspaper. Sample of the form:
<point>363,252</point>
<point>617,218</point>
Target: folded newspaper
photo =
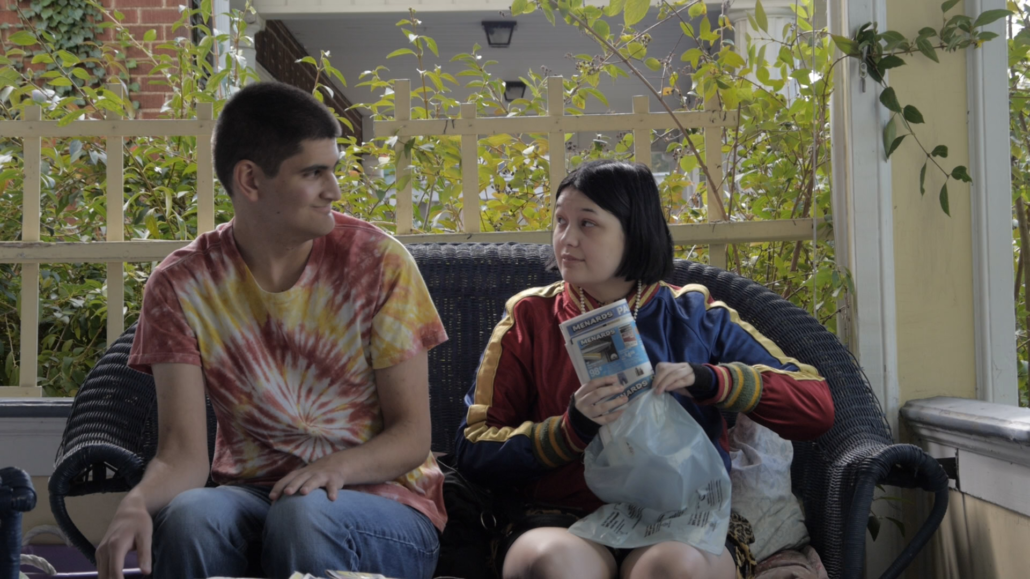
<point>605,342</point>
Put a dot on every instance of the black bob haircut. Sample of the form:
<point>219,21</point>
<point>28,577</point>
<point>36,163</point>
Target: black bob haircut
<point>265,123</point>
<point>630,193</point>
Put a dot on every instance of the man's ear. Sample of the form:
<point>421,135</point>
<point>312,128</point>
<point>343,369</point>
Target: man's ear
<point>247,176</point>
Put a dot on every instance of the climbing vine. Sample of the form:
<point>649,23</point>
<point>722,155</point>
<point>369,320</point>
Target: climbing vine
<point>882,51</point>
<point>71,27</point>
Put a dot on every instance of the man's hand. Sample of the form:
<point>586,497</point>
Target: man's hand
<point>323,473</point>
<point>592,399</point>
<point>669,377</point>
<point>131,527</point>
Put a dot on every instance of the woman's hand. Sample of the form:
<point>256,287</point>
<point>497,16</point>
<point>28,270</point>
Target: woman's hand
<point>669,377</point>
<point>595,399</point>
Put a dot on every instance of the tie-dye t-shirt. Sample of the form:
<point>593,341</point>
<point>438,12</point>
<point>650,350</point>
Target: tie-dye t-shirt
<point>290,374</point>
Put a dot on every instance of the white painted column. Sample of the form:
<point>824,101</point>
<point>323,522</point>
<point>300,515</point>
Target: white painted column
<point>220,16</point>
<point>990,194</point>
<point>255,24</point>
<point>863,217</point>
<point>863,223</point>
<point>777,13</point>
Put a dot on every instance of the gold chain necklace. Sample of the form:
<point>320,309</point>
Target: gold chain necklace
<point>636,301</point>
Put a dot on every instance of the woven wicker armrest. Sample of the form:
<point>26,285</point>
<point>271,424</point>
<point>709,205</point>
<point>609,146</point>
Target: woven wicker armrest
<point>835,475</point>
<point>84,471</point>
<point>109,437</point>
<point>900,465</point>
<point>16,497</point>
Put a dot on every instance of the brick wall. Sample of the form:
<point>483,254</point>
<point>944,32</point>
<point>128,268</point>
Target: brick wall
<point>141,16</point>
<point>278,52</point>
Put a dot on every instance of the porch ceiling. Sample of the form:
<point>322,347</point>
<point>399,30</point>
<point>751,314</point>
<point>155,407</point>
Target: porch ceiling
<point>360,42</point>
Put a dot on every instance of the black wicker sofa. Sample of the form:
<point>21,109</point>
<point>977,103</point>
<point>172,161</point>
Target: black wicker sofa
<point>112,431</point>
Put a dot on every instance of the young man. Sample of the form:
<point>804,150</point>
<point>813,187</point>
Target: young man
<point>309,331</point>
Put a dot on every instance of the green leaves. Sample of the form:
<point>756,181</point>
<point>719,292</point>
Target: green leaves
<point>895,144</point>
<point>150,35</point>
<point>961,173</point>
<point>890,100</point>
<point>519,7</point>
<point>333,72</point>
<point>890,132</point>
<point>922,180</point>
<point>948,5</point>
<point>889,62</point>
<point>940,151</point>
<point>990,16</point>
<point>760,17</point>
<point>67,58</point>
<point>548,11</point>
<point>873,525</point>
<point>635,11</point>
<point>927,49</point>
<point>22,38</point>
<point>653,63</point>
<point>431,44</point>
<point>944,200</point>
<point>693,56</point>
<point>731,59</point>
<point>846,45</point>
<point>394,54</point>
<point>912,115</point>
<point>596,94</point>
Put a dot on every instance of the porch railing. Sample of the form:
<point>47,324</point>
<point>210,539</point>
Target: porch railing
<point>115,251</point>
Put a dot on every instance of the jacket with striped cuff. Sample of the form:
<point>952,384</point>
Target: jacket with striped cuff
<point>519,430</point>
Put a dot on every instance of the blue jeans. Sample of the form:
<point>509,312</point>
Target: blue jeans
<point>237,531</point>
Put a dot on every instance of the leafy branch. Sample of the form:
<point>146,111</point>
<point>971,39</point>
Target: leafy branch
<point>879,52</point>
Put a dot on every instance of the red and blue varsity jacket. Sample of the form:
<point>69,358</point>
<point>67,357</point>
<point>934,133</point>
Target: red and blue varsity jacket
<point>520,431</point>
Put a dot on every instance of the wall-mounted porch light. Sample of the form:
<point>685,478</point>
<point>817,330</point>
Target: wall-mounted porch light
<point>498,32</point>
<point>514,89</point>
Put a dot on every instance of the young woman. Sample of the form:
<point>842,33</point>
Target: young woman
<point>529,418</point>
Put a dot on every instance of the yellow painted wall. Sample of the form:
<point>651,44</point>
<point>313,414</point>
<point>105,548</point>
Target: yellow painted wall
<point>933,252</point>
<point>933,272</point>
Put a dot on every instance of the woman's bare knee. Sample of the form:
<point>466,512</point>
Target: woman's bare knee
<point>555,553</point>
<point>671,560</point>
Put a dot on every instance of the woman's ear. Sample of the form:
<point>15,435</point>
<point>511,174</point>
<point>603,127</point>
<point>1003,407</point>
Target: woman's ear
<point>247,177</point>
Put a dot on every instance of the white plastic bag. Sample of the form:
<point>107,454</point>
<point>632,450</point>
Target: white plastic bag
<point>662,477</point>
<point>761,488</point>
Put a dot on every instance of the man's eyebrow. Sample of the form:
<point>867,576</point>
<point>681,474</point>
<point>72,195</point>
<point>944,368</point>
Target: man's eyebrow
<point>319,167</point>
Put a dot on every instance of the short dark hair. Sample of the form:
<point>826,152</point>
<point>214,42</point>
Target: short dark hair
<point>265,123</point>
<point>628,191</point>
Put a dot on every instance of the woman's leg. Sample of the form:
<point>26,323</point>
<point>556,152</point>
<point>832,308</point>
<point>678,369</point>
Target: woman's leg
<point>671,560</point>
<point>555,553</point>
